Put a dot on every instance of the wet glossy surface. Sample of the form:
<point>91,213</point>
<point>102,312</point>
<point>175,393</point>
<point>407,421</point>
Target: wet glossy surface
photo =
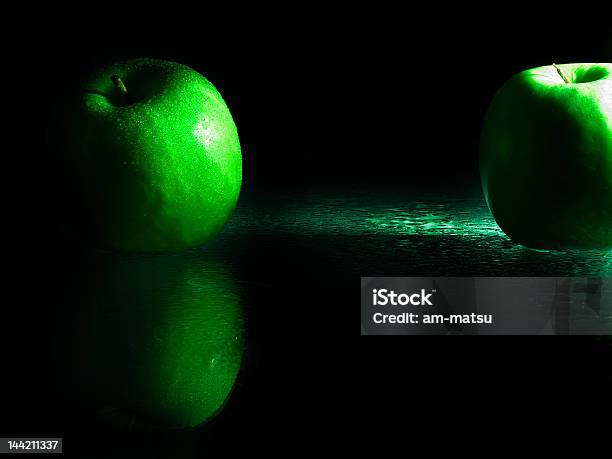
<point>394,233</point>
<point>290,265</point>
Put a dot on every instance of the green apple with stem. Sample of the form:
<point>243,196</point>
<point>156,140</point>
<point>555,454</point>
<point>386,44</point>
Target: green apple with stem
<point>546,156</point>
<point>155,156</point>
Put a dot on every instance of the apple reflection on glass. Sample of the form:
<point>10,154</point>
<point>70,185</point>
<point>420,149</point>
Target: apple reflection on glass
<point>150,341</point>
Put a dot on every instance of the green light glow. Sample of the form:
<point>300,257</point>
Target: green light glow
<point>326,215</point>
<point>163,341</point>
<point>391,233</point>
<point>434,223</point>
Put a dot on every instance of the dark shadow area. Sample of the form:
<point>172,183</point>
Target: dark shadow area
<point>294,264</point>
<point>355,164</point>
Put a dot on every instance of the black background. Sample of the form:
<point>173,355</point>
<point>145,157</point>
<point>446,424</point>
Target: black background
<point>337,102</point>
<point>319,99</point>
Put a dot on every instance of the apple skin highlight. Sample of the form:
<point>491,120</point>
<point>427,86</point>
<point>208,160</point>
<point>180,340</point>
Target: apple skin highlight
<point>546,157</point>
<point>158,167</point>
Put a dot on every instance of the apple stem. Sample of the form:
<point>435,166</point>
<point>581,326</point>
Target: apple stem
<point>119,84</point>
<point>557,68</point>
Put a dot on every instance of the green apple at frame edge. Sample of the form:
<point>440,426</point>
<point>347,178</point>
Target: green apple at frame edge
<point>546,157</point>
<point>155,156</point>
